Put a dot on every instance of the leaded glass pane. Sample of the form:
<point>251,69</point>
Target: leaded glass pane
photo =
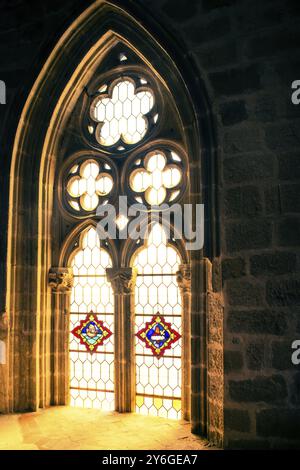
<point>158,324</point>
<point>121,113</point>
<point>91,327</point>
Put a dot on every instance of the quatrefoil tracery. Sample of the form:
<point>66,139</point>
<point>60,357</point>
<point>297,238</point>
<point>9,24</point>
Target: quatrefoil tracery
<point>156,177</point>
<point>90,183</point>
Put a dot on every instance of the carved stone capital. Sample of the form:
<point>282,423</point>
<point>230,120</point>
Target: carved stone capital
<point>61,279</point>
<point>122,279</point>
<point>183,277</point>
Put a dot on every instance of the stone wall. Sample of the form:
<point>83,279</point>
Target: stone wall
<point>247,54</point>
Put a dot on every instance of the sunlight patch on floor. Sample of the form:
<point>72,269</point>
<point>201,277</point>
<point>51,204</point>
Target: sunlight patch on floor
<point>64,428</point>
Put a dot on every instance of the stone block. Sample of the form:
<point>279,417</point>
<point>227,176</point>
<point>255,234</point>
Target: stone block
<point>278,422</point>
<point>242,202</point>
<point>273,263</point>
<point>237,420</point>
<point>243,293</point>
<point>289,166</point>
<point>233,361</point>
<point>208,30</point>
<point>236,81</point>
<point>239,140</point>
<point>289,231</point>
<point>250,444</point>
<point>267,44</point>
<point>257,322</point>
<point>260,389</point>
<point>249,235</point>
<point>283,292</point>
<point>178,10</point>
<point>233,268</point>
<point>255,353</point>
<point>233,112</point>
<point>290,198</point>
<point>242,170</point>
<point>282,354</point>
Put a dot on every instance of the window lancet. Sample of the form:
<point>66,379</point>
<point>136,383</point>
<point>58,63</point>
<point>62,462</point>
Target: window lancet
<point>158,327</point>
<point>91,326</point>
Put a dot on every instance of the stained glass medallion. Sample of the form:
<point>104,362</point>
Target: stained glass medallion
<point>91,332</point>
<point>158,335</point>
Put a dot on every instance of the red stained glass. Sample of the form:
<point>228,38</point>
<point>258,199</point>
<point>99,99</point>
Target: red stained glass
<point>91,332</point>
<point>158,335</point>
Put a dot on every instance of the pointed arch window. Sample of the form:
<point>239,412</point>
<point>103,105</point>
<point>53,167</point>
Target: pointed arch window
<point>160,149</point>
<point>127,344</point>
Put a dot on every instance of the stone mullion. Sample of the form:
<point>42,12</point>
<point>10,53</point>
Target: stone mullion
<point>122,280</point>
<point>129,352</point>
<point>184,283</point>
<point>118,356</point>
<point>61,282</point>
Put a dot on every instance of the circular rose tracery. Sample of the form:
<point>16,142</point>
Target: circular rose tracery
<point>121,113</point>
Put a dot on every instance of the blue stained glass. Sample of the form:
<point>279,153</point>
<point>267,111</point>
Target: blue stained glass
<point>158,335</point>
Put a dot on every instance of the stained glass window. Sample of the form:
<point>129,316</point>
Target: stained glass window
<point>121,113</point>
<point>91,327</point>
<point>156,177</point>
<point>87,183</point>
<point>130,144</point>
<point>158,328</point>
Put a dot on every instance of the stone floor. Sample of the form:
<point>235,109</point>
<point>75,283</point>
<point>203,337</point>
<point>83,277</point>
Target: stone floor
<point>73,428</point>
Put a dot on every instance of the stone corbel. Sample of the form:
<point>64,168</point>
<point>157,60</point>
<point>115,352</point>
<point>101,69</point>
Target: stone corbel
<point>61,279</point>
<point>122,279</point>
<point>183,277</point>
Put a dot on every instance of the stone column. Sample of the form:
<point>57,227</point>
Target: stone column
<point>61,282</point>
<point>201,286</point>
<point>184,282</point>
<point>123,282</point>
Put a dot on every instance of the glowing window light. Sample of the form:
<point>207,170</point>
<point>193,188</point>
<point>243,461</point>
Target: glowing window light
<point>122,116</point>
<point>155,179</point>
<point>88,186</point>
<point>158,380</point>
<point>91,375</point>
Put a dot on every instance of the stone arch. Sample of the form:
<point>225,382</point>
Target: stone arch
<point>29,377</point>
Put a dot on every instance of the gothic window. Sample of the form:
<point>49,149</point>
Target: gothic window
<point>127,343</point>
